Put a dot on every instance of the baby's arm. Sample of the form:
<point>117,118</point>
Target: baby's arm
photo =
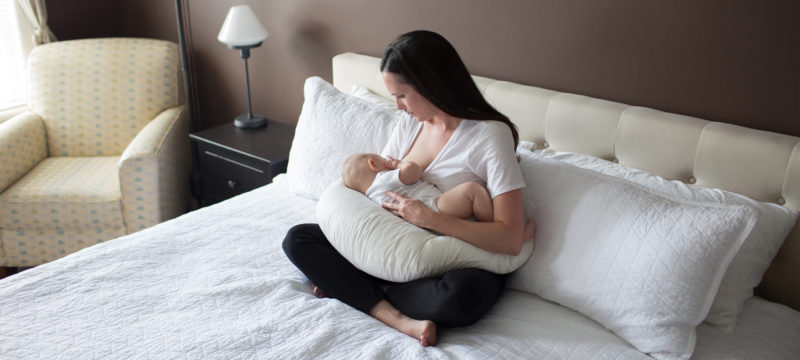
<point>410,172</point>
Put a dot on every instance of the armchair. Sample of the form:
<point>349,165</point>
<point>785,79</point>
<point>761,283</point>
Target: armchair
<point>101,152</point>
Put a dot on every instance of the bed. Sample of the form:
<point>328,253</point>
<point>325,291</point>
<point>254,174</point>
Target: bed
<point>215,283</point>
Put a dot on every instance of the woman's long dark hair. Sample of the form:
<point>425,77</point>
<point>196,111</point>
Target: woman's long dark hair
<point>429,63</point>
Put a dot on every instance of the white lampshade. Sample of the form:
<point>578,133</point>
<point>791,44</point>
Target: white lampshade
<point>241,27</point>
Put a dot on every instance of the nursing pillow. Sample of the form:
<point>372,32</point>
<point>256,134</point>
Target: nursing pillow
<point>386,246</point>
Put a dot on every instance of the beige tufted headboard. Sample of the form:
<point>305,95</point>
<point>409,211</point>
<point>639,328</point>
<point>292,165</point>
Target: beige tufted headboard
<point>759,164</point>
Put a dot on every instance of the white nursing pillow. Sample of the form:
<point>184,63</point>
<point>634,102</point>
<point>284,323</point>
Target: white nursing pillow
<point>386,246</point>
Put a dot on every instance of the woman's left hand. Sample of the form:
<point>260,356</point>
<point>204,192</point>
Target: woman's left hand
<point>412,210</point>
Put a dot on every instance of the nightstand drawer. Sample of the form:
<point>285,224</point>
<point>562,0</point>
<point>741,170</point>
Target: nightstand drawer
<point>231,160</point>
<point>225,174</point>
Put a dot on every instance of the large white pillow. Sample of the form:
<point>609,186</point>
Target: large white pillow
<point>751,262</point>
<point>643,264</point>
<point>332,126</point>
<point>366,94</point>
<point>386,246</point>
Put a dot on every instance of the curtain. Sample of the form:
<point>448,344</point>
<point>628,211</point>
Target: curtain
<point>36,12</point>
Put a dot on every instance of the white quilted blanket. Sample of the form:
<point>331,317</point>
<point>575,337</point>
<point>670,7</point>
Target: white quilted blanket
<point>215,284</point>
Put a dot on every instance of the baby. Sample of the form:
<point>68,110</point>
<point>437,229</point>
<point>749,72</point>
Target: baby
<point>372,175</point>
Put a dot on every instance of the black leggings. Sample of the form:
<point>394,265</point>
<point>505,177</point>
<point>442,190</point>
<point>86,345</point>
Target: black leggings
<point>458,298</point>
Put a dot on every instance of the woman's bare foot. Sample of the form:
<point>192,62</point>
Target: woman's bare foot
<point>427,336</point>
<point>318,292</point>
<point>529,232</point>
<point>424,330</point>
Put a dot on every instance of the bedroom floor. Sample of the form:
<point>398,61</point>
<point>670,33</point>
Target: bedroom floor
<point>8,271</point>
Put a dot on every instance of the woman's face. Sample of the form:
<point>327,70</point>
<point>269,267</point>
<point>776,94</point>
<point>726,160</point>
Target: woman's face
<point>408,99</point>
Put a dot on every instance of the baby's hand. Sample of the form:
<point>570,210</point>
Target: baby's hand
<point>392,163</point>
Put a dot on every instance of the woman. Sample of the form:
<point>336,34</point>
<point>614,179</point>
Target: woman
<point>428,80</point>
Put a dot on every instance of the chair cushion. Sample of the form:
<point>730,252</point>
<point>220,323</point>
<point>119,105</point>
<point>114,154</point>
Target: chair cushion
<point>61,206</point>
<point>63,191</point>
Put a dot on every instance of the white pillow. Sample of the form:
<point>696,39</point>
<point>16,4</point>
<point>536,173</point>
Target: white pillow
<point>366,94</point>
<point>751,262</point>
<point>332,126</point>
<point>644,265</point>
<point>386,246</point>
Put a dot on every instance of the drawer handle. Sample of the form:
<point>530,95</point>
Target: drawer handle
<point>231,184</point>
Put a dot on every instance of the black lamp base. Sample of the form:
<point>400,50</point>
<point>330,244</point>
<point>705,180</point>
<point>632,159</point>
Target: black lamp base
<point>245,121</point>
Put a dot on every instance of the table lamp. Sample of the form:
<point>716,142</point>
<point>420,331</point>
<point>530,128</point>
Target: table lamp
<point>242,30</point>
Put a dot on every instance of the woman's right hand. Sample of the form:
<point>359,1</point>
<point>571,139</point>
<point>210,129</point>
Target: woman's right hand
<point>411,210</point>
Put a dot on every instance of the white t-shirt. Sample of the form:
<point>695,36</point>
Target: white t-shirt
<point>390,180</point>
<point>478,151</point>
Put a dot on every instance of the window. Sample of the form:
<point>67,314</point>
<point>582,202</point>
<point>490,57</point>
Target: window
<point>13,88</point>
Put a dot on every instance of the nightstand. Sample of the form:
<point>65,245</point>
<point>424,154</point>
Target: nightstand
<point>232,160</point>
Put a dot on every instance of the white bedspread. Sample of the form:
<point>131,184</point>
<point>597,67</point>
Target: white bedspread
<point>215,284</point>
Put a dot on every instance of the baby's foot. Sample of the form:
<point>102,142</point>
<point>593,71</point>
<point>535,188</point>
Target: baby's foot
<point>318,292</point>
<point>530,230</point>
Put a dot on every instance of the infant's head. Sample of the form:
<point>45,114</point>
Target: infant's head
<point>359,170</point>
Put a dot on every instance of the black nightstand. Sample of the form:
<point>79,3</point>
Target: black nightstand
<point>232,160</point>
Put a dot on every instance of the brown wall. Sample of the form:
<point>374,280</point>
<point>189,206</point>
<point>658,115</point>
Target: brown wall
<point>736,61</point>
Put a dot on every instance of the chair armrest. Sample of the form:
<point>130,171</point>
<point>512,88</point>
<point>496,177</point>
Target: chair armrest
<point>23,144</point>
<point>154,171</point>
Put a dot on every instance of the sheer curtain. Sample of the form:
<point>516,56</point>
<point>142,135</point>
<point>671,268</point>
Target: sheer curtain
<point>13,88</point>
<point>23,25</point>
<point>36,13</point>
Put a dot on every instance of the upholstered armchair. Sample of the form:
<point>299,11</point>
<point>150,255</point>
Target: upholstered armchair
<point>101,152</point>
